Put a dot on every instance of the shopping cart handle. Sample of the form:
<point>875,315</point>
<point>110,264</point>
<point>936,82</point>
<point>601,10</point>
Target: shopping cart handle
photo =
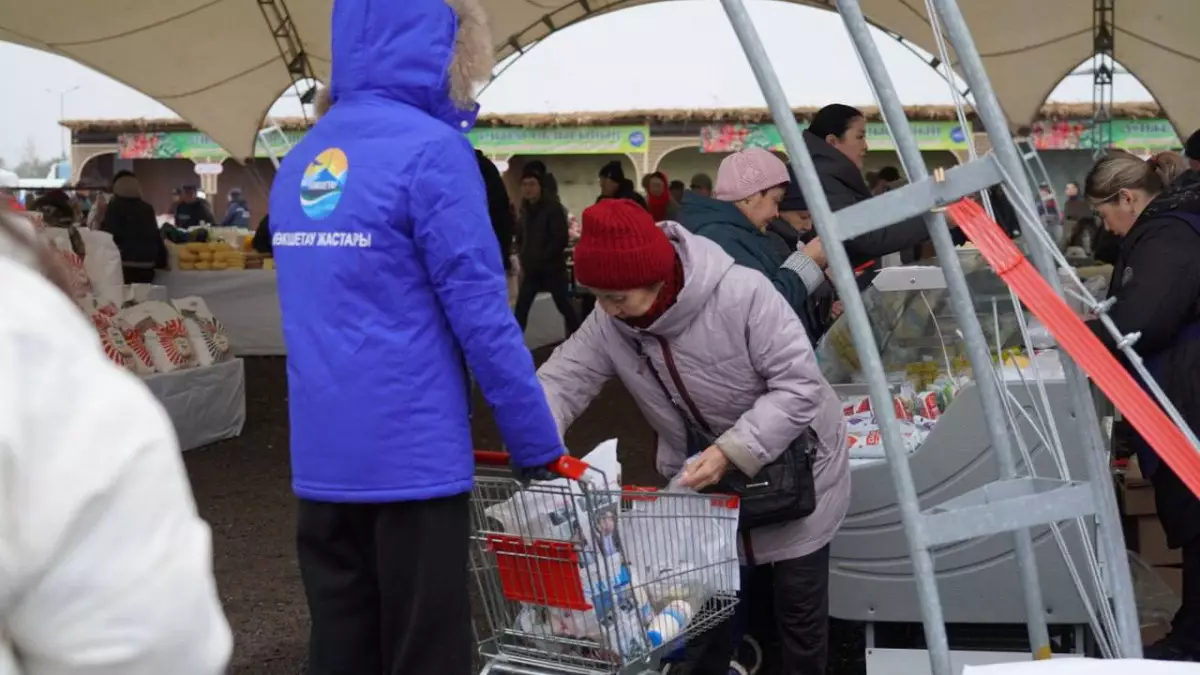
<point>565,466</point>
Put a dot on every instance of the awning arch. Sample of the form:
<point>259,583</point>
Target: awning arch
<point>216,63</point>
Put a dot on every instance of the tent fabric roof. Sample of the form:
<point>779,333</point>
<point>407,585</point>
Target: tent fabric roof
<point>937,113</point>
<point>216,63</point>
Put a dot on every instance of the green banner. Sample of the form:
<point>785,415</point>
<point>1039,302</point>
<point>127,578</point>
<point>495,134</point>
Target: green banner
<point>561,140</point>
<point>734,137</point>
<point>1153,134</point>
<point>192,145</point>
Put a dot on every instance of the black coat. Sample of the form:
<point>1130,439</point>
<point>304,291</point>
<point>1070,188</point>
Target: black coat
<point>1156,281</point>
<point>844,186</point>
<point>499,207</point>
<point>134,228</point>
<point>543,236</point>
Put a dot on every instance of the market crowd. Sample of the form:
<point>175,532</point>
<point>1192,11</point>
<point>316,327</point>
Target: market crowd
<point>703,299</point>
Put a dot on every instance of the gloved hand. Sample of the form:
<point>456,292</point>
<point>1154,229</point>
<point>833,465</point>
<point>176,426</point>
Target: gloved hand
<point>531,473</point>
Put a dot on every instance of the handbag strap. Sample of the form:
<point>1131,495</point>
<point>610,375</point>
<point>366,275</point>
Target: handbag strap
<point>695,417</point>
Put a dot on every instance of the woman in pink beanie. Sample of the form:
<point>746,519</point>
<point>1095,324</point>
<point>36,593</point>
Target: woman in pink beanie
<point>750,185</point>
<point>681,322</point>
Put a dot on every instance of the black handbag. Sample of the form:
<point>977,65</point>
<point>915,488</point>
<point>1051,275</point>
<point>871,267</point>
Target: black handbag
<point>780,492</point>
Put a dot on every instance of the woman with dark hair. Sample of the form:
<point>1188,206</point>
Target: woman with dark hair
<point>837,140</point>
<point>106,566</point>
<point>1156,291</point>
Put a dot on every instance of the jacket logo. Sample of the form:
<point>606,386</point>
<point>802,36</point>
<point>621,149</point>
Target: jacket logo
<point>323,182</point>
<point>1126,276</point>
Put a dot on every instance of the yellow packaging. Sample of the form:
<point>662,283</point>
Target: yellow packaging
<point>187,265</point>
<point>203,265</point>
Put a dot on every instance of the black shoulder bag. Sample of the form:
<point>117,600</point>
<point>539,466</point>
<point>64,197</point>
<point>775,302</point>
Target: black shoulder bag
<point>782,491</point>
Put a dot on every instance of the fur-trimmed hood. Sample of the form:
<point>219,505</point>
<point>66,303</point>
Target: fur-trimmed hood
<point>430,54</point>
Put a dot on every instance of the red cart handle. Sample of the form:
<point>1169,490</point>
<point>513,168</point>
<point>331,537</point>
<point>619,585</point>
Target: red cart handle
<point>565,466</point>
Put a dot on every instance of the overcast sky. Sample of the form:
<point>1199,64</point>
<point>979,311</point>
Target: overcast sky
<point>635,58</point>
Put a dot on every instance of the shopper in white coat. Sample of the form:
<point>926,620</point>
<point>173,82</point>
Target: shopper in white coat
<point>105,566</point>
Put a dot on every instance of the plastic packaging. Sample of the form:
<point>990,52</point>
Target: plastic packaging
<point>669,623</point>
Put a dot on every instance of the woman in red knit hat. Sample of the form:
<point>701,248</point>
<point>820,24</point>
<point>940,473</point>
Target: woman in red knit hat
<point>679,316</point>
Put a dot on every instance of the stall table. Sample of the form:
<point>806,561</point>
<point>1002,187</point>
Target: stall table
<point>246,302</point>
<point>205,404</point>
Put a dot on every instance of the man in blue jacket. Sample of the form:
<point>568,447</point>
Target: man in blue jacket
<point>391,285</point>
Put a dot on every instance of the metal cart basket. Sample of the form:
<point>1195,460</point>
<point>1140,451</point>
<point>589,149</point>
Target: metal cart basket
<point>578,576</point>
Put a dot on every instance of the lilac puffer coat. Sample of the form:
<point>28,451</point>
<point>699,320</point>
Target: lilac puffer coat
<point>746,362</point>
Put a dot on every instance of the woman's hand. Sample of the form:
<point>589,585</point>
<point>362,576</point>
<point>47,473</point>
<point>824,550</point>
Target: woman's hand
<point>705,470</point>
<point>816,250</point>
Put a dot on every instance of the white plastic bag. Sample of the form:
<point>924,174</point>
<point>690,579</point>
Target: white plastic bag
<point>102,263</point>
<point>682,546</point>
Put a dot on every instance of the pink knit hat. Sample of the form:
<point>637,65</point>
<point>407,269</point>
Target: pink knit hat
<point>747,173</point>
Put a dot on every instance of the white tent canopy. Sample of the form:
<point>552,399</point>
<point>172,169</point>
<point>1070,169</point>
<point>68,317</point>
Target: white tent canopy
<point>216,64</point>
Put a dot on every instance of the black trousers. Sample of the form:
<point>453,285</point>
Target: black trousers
<point>1185,628</point>
<point>387,587</point>
<point>555,283</point>
<point>798,590</point>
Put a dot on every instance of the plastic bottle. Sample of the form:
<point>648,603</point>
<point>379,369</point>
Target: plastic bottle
<point>669,623</point>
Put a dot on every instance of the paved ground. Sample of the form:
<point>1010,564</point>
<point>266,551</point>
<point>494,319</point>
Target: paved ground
<point>243,491</point>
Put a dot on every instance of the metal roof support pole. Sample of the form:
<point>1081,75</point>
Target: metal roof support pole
<point>1120,582</point>
<point>960,298</point>
<point>861,333</point>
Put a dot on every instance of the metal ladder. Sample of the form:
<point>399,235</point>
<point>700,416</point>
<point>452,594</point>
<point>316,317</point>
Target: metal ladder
<point>1015,503</point>
<point>273,138</point>
<point>1035,169</point>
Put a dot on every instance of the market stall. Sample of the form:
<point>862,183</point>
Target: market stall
<point>246,300</point>
<point>173,343</point>
<point>950,455</point>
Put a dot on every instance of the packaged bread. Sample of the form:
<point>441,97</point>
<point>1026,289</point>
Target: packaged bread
<point>164,334</point>
<point>202,265</point>
<point>209,340</point>
<point>134,337</point>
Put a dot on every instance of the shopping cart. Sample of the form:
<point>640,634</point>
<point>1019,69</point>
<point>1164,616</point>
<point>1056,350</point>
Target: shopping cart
<point>583,577</point>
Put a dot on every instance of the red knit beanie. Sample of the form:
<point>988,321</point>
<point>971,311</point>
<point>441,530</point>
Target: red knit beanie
<point>622,248</point>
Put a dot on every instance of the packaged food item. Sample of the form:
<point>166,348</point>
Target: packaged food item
<point>863,438</point>
<point>135,337</point>
<point>209,339</point>
<point>856,404</point>
<point>669,623</point>
<point>112,341</point>
<point>164,334</point>
<point>928,404</point>
<point>861,422</point>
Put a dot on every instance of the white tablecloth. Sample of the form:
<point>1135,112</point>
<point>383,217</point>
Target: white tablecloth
<point>246,302</point>
<point>206,405</point>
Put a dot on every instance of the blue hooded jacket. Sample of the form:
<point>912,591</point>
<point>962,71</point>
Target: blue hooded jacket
<point>390,280</point>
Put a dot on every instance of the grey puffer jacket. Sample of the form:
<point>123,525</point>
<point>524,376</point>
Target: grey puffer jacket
<point>747,364</point>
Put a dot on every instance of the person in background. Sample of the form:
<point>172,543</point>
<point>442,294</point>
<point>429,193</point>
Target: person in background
<point>176,198</point>
<point>658,198</point>
<point>403,308</point>
<point>96,216</point>
<point>237,214</point>
<point>499,207</point>
<point>792,231</point>
<point>750,186</point>
<point>262,236</point>
<point>837,140</point>
<point>1156,286</point>
<point>889,177</point>
<point>1076,207</point>
<point>1191,150</point>
<point>614,184</point>
<point>56,207</point>
<point>678,310</point>
<point>702,185</point>
<point>1170,165</point>
<point>134,229</point>
<point>9,200</point>
<point>677,190</point>
<point>105,566</point>
<point>542,250</point>
<point>192,210</point>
